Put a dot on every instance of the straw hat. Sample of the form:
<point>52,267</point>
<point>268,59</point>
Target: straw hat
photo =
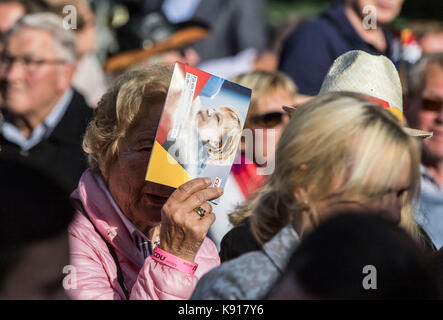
<point>375,76</point>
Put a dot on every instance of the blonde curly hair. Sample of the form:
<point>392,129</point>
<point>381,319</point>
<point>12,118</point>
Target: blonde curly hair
<point>117,112</point>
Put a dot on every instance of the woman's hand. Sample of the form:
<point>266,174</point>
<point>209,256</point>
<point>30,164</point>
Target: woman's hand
<point>182,230</point>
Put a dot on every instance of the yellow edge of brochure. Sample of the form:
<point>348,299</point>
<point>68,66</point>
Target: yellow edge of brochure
<point>164,169</point>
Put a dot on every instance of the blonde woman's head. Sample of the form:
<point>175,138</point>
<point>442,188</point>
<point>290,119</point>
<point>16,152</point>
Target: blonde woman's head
<point>220,129</point>
<point>338,151</point>
<point>270,91</point>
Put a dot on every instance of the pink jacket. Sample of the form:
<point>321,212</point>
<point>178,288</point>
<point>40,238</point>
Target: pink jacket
<point>94,274</point>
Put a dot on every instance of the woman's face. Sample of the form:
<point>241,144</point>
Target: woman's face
<point>141,201</point>
<point>212,124</point>
<point>271,119</point>
<point>386,10</point>
<point>390,200</point>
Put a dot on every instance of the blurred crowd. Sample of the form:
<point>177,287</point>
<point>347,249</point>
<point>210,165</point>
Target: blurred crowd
<point>348,108</point>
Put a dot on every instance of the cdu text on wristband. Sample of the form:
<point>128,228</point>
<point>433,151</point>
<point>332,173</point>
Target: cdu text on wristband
<point>173,261</point>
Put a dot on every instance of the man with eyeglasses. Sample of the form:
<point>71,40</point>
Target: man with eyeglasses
<point>426,113</point>
<point>44,117</point>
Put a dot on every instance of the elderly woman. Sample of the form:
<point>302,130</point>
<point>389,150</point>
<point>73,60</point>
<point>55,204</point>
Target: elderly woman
<point>132,239</point>
<point>338,152</point>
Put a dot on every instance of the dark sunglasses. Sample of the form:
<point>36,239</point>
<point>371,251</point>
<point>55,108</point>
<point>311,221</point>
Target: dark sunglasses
<point>431,105</point>
<point>268,120</point>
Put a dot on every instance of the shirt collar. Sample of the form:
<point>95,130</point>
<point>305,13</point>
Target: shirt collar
<point>337,15</point>
<point>57,113</point>
<point>13,134</point>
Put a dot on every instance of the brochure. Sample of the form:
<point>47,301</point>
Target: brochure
<point>200,129</point>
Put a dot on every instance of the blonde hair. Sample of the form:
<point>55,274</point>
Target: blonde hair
<point>230,140</point>
<point>334,135</point>
<point>118,109</point>
<point>262,83</point>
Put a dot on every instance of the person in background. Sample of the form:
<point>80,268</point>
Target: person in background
<point>12,10</point>
<point>338,152</point>
<point>265,120</point>
<point>10,13</point>
<point>44,117</point>
<point>235,25</point>
<point>134,239</point>
<point>355,71</point>
<point>429,35</point>
<point>35,213</point>
<point>89,78</point>
<point>366,257</point>
<point>425,112</point>
<point>314,45</point>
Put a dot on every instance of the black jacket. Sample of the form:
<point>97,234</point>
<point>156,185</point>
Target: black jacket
<point>312,47</point>
<point>240,240</point>
<point>60,154</point>
<point>237,241</point>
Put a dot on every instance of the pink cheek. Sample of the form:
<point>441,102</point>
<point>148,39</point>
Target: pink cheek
<point>426,119</point>
<point>32,79</point>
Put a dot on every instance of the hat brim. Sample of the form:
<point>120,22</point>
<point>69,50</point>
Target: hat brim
<point>288,110</point>
<point>412,132</point>
<point>418,133</point>
<point>177,40</point>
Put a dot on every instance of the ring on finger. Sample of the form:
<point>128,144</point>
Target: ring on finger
<point>200,211</point>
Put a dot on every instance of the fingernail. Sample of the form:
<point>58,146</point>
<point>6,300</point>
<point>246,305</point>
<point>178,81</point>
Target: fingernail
<point>207,180</point>
<point>220,190</point>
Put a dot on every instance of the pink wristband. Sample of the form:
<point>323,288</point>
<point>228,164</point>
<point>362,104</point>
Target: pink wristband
<point>173,261</point>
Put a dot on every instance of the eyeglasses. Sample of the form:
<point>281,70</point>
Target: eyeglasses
<point>29,64</point>
<point>431,105</point>
<point>268,120</point>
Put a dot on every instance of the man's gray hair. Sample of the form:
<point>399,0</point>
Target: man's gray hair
<point>417,75</point>
<point>64,37</point>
